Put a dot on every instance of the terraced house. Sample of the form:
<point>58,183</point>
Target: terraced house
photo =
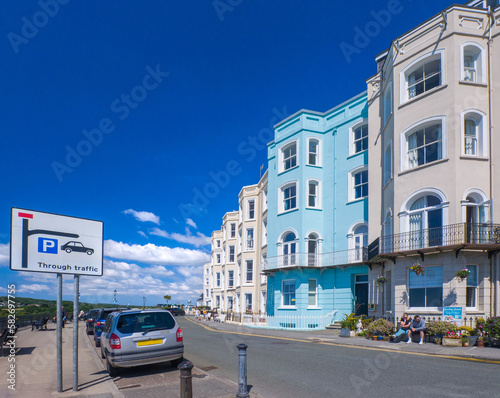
<point>433,179</point>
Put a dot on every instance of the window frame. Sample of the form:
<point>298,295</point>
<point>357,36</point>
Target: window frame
<point>352,183</point>
<point>480,129</point>
<point>283,160</point>
<point>315,293</point>
<point>417,63</point>
<point>251,209</point>
<point>416,127</point>
<point>480,62</point>
<point>387,170</point>
<point>247,272</point>
<point>232,230</point>
<point>230,279</point>
<point>217,279</point>
<point>247,295</point>
<point>282,199</point>
<point>471,286</point>
<point>352,136</point>
<point>292,298</point>
<point>232,254</point>
<point>317,193</point>
<point>250,243</point>
<point>317,154</point>
<point>426,308</point>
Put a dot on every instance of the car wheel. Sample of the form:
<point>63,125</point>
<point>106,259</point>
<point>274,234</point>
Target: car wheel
<point>98,343</point>
<point>102,354</point>
<point>89,252</point>
<point>68,250</point>
<point>87,330</point>
<point>113,372</point>
<point>177,362</point>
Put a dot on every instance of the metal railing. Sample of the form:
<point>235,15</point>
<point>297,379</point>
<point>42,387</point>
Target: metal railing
<point>447,235</point>
<point>289,322</point>
<point>467,320</point>
<point>313,260</point>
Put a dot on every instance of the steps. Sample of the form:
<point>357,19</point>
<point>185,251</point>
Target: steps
<point>334,326</point>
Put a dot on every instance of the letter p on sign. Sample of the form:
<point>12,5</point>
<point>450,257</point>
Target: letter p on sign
<point>47,245</point>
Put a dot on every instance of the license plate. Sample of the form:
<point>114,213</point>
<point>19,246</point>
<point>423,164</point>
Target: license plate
<point>149,342</point>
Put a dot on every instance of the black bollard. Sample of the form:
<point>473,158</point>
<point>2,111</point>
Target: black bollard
<point>186,379</point>
<point>242,371</point>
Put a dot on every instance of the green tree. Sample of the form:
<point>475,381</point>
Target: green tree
<point>167,297</point>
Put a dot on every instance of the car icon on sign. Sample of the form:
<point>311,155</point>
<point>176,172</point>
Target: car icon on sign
<point>73,246</point>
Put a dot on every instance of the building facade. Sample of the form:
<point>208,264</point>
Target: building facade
<point>318,213</point>
<point>433,180</point>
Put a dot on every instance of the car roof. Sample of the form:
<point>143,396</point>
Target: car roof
<point>139,311</point>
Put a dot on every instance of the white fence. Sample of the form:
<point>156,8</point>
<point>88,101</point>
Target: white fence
<point>290,322</point>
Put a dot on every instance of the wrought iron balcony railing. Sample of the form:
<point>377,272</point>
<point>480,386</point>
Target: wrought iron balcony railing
<point>343,257</point>
<point>447,235</point>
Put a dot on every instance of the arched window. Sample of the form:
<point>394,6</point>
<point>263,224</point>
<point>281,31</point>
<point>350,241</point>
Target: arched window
<point>477,215</point>
<point>288,156</point>
<point>313,157</point>
<point>313,194</point>
<point>387,103</point>
<point>387,171</point>
<point>472,63</point>
<point>358,241</point>
<point>312,249</point>
<point>474,142</point>
<point>426,222</point>
<point>289,246</point>
<point>386,241</point>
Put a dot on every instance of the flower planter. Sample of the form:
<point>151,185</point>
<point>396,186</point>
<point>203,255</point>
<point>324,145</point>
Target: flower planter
<point>346,332</point>
<point>452,342</point>
<point>480,343</point>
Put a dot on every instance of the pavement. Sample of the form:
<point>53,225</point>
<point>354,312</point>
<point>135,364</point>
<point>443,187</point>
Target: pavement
<point>35,368</point>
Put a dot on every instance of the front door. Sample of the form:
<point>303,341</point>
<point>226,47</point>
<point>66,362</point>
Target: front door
<point>361,295</point>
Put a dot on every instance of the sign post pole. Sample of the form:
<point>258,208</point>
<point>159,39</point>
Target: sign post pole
<point>75,333</point>
<point>59,333</point>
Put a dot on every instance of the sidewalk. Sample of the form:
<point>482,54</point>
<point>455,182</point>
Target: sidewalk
<point>487,354</point>
<point>36,371</point>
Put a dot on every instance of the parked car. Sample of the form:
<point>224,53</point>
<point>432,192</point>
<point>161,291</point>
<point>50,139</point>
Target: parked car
<point>100,320</point>
<point>141,337</point>
<point>176,311</point>
<point>91,317</point>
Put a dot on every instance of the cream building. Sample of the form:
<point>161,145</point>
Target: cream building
<point>433,181</point>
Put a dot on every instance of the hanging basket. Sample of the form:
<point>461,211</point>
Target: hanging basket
<point>418,269</point>
<point>462,274</point>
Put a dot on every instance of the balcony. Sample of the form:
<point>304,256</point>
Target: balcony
<point>483,236</point>
<point>308,260</point>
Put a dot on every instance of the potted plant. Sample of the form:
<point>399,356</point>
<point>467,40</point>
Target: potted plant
<point>480,341</point>
<point>437,340</point>
<point>462,274</point>
<point>418,269</point>
<point>382,280</point>
<point>452,339</point>
<point>439,329</point>
<point>380,327</point>
<point>348,326</point>
<point>492,330</point>
<point>465,341</point>
<point>470,333</point>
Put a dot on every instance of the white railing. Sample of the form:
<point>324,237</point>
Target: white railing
<point>288,322</point>
<point>312,260</point>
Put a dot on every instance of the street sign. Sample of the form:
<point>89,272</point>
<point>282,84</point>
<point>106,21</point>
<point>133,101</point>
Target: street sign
<point>45,242</point>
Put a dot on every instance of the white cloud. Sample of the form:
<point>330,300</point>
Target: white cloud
<point>34,288</point>
<point>196,240</point>
<point>4,253</point>
<point>143,216</point>
<point>142,234</point>
<point>153,254</point>
<point>191,222</point>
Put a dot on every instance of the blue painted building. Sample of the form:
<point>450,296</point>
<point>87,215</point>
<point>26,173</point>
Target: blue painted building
<point>318,213</point>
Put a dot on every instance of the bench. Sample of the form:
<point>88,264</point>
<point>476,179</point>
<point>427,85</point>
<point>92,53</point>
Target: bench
<point>40,324</point>
<point>6,337</point>
<point>221,318</point>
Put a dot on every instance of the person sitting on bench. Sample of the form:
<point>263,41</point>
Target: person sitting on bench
<point>417,326</point>
<point>404,326</point>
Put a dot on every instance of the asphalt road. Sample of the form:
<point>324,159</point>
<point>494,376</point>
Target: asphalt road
<point>286,368</point>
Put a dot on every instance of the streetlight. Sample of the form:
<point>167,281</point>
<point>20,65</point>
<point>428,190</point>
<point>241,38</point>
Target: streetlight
<point>143,302</point>
<point>114,298</point>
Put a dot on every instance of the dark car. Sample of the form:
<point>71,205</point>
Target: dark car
<point>176,311</point>
<point>91,317</point>
<point>73,246</point>
<point>101,320</point>
<point>141,337</point>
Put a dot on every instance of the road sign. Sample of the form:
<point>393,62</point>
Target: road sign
<point>45,242</point>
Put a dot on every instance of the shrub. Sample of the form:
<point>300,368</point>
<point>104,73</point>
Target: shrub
<point>380,326</point>
<point>349,322</point>
<point>480,322</point>
<point>440,327</point>
<point>492,327</point>
<point>467,330</point>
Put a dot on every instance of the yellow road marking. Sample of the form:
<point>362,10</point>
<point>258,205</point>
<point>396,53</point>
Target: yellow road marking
<point>346,345</point>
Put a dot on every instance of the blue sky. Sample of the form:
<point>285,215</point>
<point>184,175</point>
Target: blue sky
<point>125,111</point>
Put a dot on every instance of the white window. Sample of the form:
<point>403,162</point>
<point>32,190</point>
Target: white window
<point>358,241</point>
<point>313,154</point>
<point>473,65</point>
<point>313,194</point>
<point>264,232</point>
<point>264,199</point>
<point>288,195</point>
<point>387,103</point>
<point>233,230</point>
<point>289,249</point>
<point>289,156</point>
<point>426,290</point>
<point>425,217</point>
<point>231,254</point>
<point>288,293</point>
<point>249,272</point>
<point>312,293</point>
<point>230,303</point>
<point>251,209</point>
<point>423,144</point>
<point>217,301</point>
<point>248,302</point>
<point>422,75</point>
<point>207,281</point>
<point>250,240</point>
<point>218,258</point>
<point>387,172</point>
<point>359,180</point>
<point>360,136</point>
<point>230,278</point>
<point>217,283</point>
<point>472,287</point>
<point>473,133</point>
<point>218,243</point>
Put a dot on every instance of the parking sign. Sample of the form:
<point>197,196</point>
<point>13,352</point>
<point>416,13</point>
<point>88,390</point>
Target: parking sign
<point>45,242</point>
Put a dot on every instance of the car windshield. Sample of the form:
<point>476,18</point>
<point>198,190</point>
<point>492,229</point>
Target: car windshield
<point>140,323</point>
<point>105,314</point>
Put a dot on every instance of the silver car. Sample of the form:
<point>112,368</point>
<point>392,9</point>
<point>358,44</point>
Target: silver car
<point>134,338</point>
